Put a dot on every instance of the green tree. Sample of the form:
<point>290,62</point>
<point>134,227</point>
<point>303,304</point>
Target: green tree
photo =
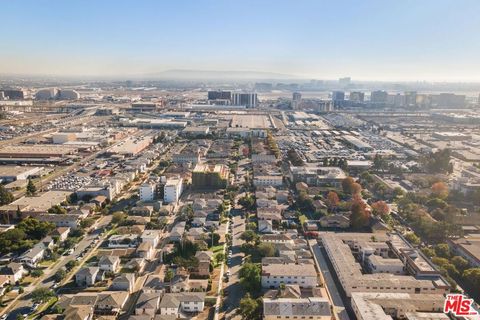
<point>460,263</point>
<point>442,250</point>
<point>472,276</point>
<point>34,228</point>
<point>220,257</point>
<point>249,308</point>
<point>57,209</point>
<point>36,273</point>
<point>41,295</point>
<point>118,217</point>
<point>168,275</point>
<point>250,277</point>
<point>412,238</point>
<point>247,202</point>
<point>266,249</point>
<point>429,252</point>
<point>71,264</point>
<point>59,275</point>
<point>249,236</point>
<point>5,196</point>
<point>87,223</point>
<point>31,189</point>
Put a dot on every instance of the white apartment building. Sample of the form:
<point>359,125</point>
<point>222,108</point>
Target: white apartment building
<point>266,181</point>
<point>147,191</point>
<point>388,306</point>
<point>303,275</point>
<point>172,190</point>
<point>378,264</point>
<point>350,275</point>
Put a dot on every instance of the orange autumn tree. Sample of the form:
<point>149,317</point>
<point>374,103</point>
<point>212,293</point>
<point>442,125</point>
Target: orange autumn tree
<point>360,216</point>
<point>380,208</point>
<point>440,190</point>
<point>332,200</point>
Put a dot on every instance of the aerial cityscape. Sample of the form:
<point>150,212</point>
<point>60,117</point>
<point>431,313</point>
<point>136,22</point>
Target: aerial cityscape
<point>167,160</point>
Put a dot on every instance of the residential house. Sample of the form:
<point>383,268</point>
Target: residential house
<point>13,272</point>
<point>279,238</point>
<point>198,222</point>
<point>61,233</point>
<point>145,250</point>
<point>204,259</point>
<point>33,256</point>
<point>265,226</point>
<point>147,303</point>
<point>176,234</point>
<point>71,221</point>
<point>87,276</point>
<point>174,303</point>
<point>335,221</point>
<point>151,236</point>
<point>123,241</point>
<point>78,313</point>
<point>111,303</point>
<point>109,263</point>
<point>123,282</point>
<point>196,234</point>
<point>48,242</point>
<point>143,211</point>
<point>136,264</point>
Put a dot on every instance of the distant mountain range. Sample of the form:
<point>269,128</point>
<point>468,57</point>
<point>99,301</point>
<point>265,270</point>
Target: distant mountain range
<point>182,74</point>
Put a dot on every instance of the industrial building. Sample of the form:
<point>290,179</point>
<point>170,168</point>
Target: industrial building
<point>14,173</point>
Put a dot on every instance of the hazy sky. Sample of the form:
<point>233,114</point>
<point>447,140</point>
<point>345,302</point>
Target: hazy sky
<point>365,39</point>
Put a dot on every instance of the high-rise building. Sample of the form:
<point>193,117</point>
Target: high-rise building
<point>410,98</point>
<point>449,100</point>
<point>244,99</point>
<point>379,97</point>
<point>338,96</point>
<point>296,100</point>
<point>357,96</point>
<point>396,100</point>
<point>219,95</point>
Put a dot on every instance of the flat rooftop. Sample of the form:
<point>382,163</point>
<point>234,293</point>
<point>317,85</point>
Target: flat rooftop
<point>40,203</point>
<point>251,121</point>
<point>8,171</point>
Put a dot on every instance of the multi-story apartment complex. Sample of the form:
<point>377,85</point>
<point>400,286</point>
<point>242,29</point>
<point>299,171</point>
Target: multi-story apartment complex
<point>172,190</point>
<point>273,275</point>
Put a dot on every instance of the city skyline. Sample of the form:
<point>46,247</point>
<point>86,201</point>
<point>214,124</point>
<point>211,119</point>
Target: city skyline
<point>404,41</point>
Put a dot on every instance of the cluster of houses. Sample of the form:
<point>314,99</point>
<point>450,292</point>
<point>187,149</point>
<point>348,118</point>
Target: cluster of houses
<point>129,270</point>
<point>271,204</point>
<point>292,294</point>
